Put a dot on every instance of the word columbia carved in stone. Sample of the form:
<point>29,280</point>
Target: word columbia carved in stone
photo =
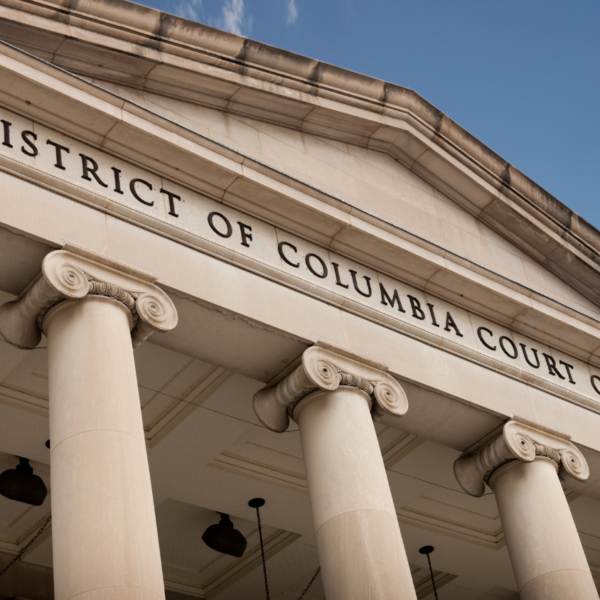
<point>118,180</point>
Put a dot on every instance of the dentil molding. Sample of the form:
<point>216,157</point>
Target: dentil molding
<point>69,276</point>
<point>522,440</point>
<point>324,370</point>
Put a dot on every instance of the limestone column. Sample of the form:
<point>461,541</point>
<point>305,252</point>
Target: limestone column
<point>522,466</point>
<point>104,537</point>
<point>334,400</point>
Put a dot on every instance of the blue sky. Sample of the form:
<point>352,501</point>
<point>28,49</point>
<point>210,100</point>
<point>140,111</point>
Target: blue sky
<point>523,76</point>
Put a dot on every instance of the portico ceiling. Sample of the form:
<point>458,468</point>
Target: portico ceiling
<point>209,454</point>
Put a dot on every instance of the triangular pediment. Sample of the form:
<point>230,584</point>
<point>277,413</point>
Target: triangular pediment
<point>376,184</point>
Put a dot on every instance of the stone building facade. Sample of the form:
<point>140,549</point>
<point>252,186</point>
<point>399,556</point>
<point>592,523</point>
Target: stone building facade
<point>230,272</point>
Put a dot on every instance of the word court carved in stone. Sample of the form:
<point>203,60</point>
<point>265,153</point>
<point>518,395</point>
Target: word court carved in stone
<point>531,355</point>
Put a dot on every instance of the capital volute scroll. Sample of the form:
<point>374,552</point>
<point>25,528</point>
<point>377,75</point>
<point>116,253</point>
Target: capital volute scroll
<point>67,275</point>
<point>522,440</point>
<point>325,370</point>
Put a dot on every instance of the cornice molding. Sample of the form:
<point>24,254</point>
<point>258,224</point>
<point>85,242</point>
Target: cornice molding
<point>324,370</point>
<point>69,276</point>
<point>521,440</point>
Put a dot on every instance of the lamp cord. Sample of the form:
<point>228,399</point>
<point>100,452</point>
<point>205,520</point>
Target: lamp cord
<point>18,556</point>
<point>432,579</point>
<point>262,551</point>
<point>264,562</point>
<point>309,584</point>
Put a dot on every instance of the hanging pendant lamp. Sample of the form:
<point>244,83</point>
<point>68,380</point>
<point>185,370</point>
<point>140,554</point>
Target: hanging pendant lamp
<point>223,538</point>
<point>22,485</point>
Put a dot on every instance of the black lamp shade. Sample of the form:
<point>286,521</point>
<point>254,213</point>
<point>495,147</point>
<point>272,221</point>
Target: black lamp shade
<point>223,538</point>
<point>22,485</point>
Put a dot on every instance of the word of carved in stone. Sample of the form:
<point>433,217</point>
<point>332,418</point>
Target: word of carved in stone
<point>522,440</point>
<point>325,370</point>
<point>69,276</point>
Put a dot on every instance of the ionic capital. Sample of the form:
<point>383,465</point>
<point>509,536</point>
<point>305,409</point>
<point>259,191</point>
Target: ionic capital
<point>521,440</point>
<point>69,276</point>
<point>325,370</point>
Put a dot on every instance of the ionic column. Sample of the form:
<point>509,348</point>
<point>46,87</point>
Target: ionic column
<point>522,466</point>
<point>334,400</point>
<point>104,537</point>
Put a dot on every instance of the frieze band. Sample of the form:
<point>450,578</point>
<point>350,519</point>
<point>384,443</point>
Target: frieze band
<point>412,310</point>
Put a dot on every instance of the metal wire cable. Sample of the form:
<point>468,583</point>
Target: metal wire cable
<point>262,551</point>
<point>309,584</point>
<point>18,556</point>
<point>432,579</point>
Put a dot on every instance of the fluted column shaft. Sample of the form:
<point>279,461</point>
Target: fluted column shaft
<point>543,543</point>
<point>358,538</point>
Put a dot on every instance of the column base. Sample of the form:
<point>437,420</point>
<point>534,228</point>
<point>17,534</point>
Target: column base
<point>363,557</point>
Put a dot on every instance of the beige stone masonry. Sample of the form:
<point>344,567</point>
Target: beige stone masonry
<point>130,131</point>
<point>169,56</point>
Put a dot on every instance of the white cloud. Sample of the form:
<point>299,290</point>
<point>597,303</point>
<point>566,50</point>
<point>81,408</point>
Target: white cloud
<point>232,16</point>
<point>292,11</point>
<point>188,9</point>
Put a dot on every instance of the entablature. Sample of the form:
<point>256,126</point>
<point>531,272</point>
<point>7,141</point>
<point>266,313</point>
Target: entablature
<point>106,122</point>
<point>156,176</point>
